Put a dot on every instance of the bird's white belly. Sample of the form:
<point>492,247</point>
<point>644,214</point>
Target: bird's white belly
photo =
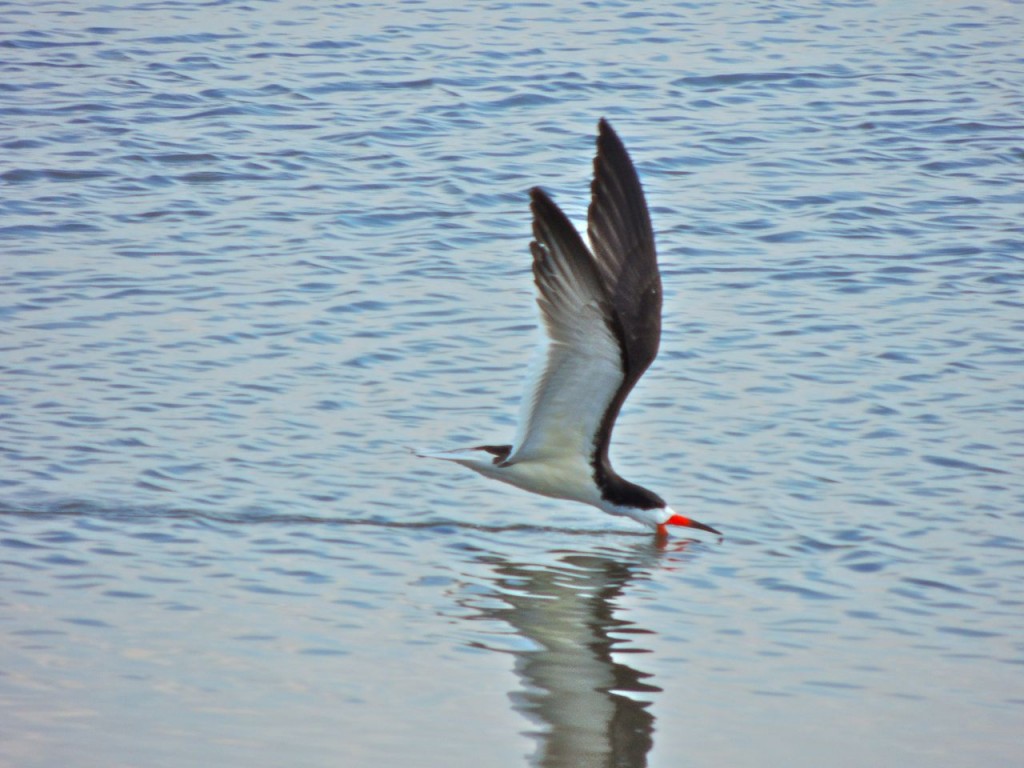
<point>567,478</point>
<point>560,477</point>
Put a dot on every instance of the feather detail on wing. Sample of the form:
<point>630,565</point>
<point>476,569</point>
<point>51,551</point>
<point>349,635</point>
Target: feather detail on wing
<point>579,370</point>
<point>601,311</point>
<point>619,227</point>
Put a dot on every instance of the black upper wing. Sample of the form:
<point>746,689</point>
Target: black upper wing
<point>622,239</point>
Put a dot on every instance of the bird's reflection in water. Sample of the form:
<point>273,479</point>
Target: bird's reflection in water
<point>592,708</point>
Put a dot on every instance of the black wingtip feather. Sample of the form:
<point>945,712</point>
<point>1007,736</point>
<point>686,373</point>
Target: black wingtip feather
<point>622,239</point>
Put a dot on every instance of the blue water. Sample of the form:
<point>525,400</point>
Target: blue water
<point>252,252</point>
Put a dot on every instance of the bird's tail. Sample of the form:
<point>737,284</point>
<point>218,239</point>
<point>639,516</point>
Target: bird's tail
<point>478,454</point>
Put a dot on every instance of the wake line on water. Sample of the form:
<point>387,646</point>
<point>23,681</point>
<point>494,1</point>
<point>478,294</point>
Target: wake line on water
<point>149,515</point>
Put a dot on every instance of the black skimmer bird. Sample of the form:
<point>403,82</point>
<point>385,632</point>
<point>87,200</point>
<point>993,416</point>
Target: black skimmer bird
<point>601,309</point>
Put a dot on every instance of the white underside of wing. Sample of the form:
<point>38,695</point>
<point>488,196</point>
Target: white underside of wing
<point>573,378</point>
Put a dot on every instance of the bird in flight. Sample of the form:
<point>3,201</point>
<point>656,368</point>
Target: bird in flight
<point>601,310</point>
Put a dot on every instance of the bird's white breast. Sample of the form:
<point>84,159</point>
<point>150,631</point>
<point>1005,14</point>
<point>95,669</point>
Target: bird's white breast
<point>561,477</point>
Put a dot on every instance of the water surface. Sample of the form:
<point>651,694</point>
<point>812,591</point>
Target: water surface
<point>253,252</point>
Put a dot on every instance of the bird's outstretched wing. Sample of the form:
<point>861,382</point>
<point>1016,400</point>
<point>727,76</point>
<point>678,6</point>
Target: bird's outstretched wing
<point>619,227</point>
<point>601,311</point>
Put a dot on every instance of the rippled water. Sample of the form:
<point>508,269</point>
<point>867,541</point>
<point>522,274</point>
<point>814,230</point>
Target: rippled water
<point>252,252</point>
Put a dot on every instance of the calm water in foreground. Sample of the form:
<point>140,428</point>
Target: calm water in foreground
<point>252,252</point>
